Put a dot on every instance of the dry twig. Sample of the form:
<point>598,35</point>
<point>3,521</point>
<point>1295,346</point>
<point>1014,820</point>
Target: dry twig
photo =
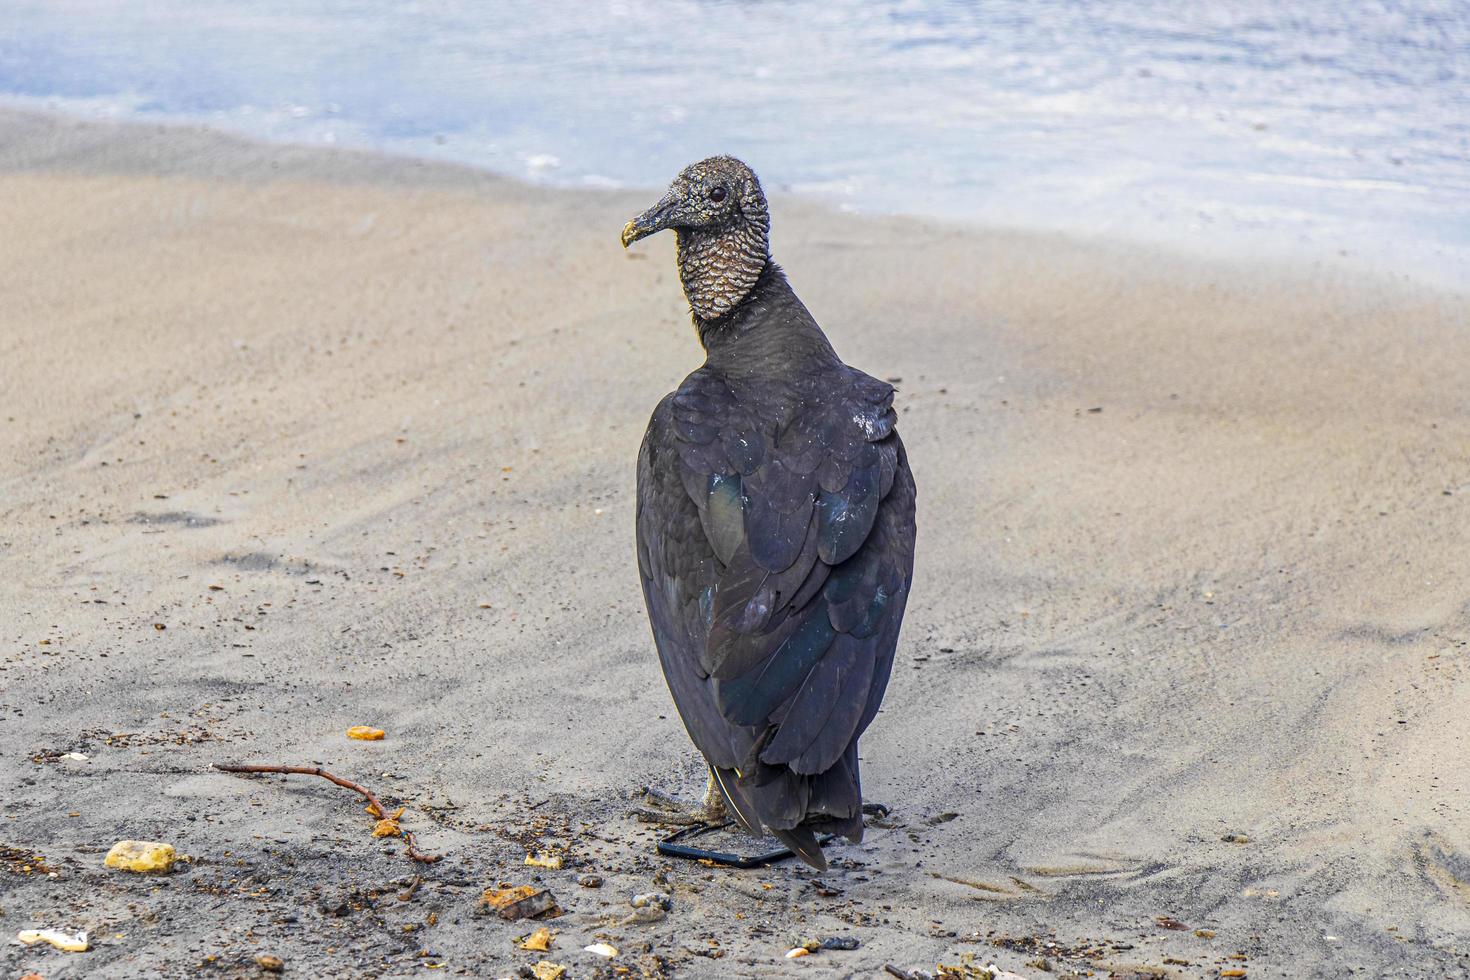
<point>375,808</point>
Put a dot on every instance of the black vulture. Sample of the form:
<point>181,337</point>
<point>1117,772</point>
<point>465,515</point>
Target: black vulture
<point>775,527</point>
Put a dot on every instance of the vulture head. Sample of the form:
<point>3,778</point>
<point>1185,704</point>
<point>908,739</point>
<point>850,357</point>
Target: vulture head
<point>719,214</point>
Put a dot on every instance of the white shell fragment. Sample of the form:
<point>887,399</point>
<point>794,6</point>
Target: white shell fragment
<point>602,949</point>
<point>792,954</point>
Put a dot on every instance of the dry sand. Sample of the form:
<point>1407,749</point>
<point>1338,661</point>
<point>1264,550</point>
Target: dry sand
<point>295,440</point>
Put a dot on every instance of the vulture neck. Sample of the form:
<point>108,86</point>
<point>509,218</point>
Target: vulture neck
<point>769,333</point>
<point>718,268</point>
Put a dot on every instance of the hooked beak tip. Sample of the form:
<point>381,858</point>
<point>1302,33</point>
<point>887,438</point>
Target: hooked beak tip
<point>662,215</point>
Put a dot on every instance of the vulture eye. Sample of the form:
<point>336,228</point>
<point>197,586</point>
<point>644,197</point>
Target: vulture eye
<point>717,195</point>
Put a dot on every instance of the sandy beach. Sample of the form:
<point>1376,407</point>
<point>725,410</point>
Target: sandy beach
<point>293,440</point>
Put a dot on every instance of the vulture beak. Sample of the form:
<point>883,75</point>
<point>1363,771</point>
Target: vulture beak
<point>655,219</point>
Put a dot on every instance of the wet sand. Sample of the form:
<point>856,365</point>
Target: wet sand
<point>293,440</point>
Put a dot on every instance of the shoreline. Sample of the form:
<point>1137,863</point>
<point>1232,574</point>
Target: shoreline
<point>1237,248</point>
<point>300,440</point>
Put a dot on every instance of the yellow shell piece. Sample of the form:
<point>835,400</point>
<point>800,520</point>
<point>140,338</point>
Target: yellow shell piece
<point>543,859</point>
<point>141,855</point>
<point>547,970</point>
<point>365,733</point>
<point>538,941</point>
<point>61,940</point>
<point>387,827</point>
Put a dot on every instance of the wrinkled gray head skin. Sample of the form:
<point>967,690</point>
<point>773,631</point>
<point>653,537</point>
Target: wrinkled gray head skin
<point>718,211</point>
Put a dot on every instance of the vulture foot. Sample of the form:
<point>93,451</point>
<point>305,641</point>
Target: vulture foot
<point>657,807</point>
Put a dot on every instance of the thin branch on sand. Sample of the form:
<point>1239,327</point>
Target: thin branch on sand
<point>375,807</point>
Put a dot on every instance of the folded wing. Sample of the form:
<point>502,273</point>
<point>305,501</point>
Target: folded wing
<point>776,546</point>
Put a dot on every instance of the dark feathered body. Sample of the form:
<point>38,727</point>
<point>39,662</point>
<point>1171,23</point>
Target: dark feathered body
<point>776,545</point>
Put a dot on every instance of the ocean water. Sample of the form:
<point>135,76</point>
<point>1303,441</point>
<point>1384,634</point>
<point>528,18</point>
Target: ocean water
<point>1334,131</point>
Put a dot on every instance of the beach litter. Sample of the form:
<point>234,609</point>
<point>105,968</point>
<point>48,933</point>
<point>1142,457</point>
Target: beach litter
<point>365,733</point>
<point>142,856</point>
<point>538,941</point>
<point>66,941</point>
<point>965,970</point>
<point>389,826</point>
<point>520,902</point>
<point>23,862</point>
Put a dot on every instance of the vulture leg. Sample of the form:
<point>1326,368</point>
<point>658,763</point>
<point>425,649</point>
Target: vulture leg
<point>667,809</point>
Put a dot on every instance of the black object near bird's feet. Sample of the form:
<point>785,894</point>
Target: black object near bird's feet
<point>678,845</point>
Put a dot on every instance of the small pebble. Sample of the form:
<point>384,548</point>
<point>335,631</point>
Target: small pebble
<point>644,915</point>
<point>270,964</point>
<point>647,899</point>
<point>590,881</point>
